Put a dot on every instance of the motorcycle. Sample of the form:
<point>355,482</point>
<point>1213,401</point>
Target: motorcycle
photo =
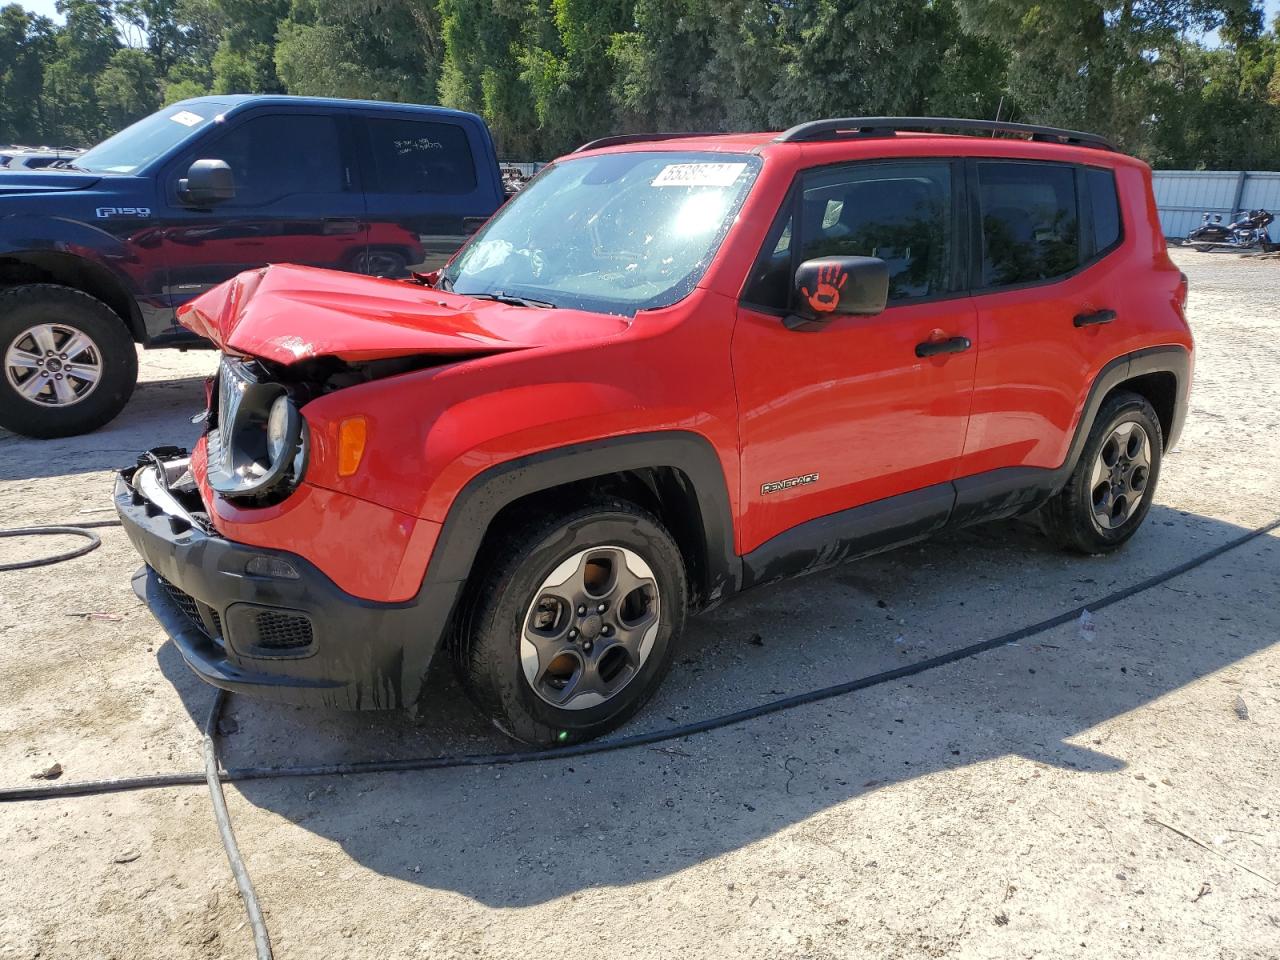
<point>1248,231</point>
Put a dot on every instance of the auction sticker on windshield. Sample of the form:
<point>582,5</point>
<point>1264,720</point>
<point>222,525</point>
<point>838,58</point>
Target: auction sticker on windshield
<point>186,118</point>
<point>698,174</point>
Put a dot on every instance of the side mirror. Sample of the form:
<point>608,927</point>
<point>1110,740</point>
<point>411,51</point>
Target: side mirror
<point>207,182</point>
<point>834,286</point>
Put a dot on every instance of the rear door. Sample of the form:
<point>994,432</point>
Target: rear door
<point>1050,299</point>
<point>850,414</point>
<point>429,183</point>
<point>295,202</point>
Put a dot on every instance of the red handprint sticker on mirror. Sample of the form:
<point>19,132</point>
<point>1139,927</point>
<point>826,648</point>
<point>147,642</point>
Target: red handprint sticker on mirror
<point>826,291</point>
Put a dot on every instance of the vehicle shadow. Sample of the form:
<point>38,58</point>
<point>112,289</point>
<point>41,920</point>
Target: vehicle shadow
<point>523,835</point>
<point>159,413</point>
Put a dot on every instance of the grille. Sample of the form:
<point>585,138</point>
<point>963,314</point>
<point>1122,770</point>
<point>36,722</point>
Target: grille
<point>282,631</point>
<point>186,603</point>
<point>192,608</point>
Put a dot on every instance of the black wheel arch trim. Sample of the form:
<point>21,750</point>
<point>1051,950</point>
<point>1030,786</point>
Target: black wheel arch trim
<point>484,496</point>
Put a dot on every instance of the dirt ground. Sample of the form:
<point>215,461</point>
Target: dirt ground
<point>1023,803</point>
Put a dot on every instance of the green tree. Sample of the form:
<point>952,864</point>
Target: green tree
<point>26,44</point>
<point>126,90</point>
<point>376,49</point>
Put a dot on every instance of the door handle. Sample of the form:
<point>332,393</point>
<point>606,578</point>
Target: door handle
<point>336,226</point>
<point>1094,319</point>
<point>932,348</point>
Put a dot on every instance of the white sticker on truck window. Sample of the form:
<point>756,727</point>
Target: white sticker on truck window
<point>698,174</point>
<point>186,118</point>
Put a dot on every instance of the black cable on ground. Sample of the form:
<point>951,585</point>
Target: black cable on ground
<point>242,774</point>
<point>261,942</point>
<point>79,530</point>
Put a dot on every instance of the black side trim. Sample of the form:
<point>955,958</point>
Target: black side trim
<point>850,534</point>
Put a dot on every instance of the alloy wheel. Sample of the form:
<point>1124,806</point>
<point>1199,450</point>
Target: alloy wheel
<point>1120,475</point>
<point>590,628</point>
<point>53,365</point>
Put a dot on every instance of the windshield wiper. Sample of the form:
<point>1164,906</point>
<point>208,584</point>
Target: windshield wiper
<point>501,297</point>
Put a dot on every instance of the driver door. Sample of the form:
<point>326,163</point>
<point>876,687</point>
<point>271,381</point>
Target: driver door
<point>846,434</point>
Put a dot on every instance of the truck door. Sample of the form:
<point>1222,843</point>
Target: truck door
<point>429,184</point>
<point>295,202</point>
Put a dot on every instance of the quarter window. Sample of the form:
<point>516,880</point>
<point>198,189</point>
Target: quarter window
<point>415,156</point>
<point>1030,227</point>
<point>1101,186</point>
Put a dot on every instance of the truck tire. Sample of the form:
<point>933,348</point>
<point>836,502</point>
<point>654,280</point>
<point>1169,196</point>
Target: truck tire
<point>1114,481</point>
<point>571,628</point>
<point>67,361</point>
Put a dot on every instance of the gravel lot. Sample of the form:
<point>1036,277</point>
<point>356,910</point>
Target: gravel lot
<point>1023,803</point>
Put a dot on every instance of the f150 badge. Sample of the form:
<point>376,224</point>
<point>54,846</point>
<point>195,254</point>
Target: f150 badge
<point>788,483</point>
<point>106,212</point>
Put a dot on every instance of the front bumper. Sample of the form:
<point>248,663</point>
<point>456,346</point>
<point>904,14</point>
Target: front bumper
<point>248,629</point>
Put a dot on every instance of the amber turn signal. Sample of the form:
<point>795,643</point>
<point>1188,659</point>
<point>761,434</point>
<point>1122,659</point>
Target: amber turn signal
<point>352,433</point>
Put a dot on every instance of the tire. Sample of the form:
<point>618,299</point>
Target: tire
<point>1083,517</point>
<point>1202,247</point>
<point>550,694</point>
<point>59,317</point>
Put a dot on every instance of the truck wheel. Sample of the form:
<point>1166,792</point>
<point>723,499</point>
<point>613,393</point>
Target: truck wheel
<point>570,631</point>
<point>67,362</point>
<point>1111,488</point>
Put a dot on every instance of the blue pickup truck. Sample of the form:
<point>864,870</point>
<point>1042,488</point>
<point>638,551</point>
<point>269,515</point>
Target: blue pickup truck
<point>98,253</point>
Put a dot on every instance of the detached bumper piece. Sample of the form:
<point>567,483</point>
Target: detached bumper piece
<point>262,622</point>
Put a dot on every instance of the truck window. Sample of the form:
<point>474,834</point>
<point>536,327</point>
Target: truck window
<point>418,156</point>
<point>273,157</point>
<point>1030,230</point>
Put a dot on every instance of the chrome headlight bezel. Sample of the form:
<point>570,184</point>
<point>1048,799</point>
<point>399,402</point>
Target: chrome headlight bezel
<point>243,459</point>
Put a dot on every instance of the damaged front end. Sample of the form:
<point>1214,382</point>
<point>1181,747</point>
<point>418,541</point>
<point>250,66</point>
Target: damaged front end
<point>262,621</point>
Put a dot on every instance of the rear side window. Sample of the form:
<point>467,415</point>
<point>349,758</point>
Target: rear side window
<point>416,156</point>
<point>257,149</point>
<point>1030,226</point>
<point>899,212</point>
<point>1101,188</point>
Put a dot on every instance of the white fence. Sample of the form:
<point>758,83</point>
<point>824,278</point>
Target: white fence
<point>1185,196</point>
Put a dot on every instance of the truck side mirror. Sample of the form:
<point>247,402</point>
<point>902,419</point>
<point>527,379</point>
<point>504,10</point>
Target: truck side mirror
<point>833,286</point>
<point>207,182</point>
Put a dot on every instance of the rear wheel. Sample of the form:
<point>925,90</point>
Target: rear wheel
<point>571,630</point>
<point>67,363</point>
<point>1111,488</point>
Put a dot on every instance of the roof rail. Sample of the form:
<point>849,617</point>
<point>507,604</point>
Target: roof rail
<point>635,138</point>
<point>888,126</point>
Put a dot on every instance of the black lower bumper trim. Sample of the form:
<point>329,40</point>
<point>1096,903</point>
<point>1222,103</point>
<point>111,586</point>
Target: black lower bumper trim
<point>297,640</point>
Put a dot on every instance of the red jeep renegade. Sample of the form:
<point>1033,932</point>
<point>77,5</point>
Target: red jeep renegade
<point>672,368</point>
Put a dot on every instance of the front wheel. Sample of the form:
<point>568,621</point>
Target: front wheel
<point>1112,485</point>
<point>571,630</point>
<point>67,363</point>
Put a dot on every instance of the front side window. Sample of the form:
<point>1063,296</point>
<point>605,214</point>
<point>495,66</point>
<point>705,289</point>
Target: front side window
<point>273,157</point>
<point>1030,228</point>
<point>416,156</point>
<point>614,233</point>
<point>898,212</point>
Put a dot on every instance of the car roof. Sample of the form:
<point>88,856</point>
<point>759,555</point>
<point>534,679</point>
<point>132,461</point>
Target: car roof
<point>899,143</point>
<point>238,101</point>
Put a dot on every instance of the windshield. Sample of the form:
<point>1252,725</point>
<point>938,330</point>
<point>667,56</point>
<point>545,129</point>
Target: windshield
<point>612,234</point>
<point>151,137</point>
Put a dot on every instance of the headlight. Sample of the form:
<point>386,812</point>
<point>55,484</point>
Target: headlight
<point>277,427</point>
<point>260,445</point>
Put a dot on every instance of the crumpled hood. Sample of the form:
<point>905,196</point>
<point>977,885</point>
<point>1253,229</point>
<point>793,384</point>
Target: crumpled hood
<point>41,181</point>
<point>288,314</point>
